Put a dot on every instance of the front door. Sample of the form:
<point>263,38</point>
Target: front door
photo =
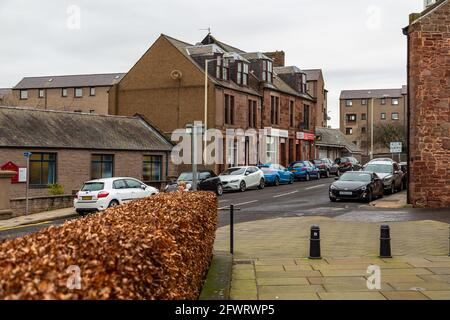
<point>283,154</point>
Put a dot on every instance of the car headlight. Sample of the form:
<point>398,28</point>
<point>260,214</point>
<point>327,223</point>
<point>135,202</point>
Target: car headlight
<point>388,178</point>
<point>333,187</point>
<point>363,188</point>
<point>188,186</point>
<point>234,181</point>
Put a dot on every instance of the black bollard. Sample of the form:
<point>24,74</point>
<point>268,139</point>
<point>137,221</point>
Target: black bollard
<point>449,244</point>
<point>314,246</point>
<point>385,242</point>
<point>232,229</point>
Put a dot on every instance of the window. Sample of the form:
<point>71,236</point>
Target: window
<point>274,110</point>
<point>272,150</point>
<point>242,73</point>
<point>152,168</point>
<point>41,93</point>
<point>23,94</point>
<point>349,103</point>
<point>92,91</point>
<point>304,83</point>
<point>364,102</point>
<point>78,92</point>
<point>133,184</point>
<point>363,129</point>
<point>225,69</point>
<point>102,166</point>
<point>291,114</point>
<point>383,116</point>
<point>383,101</point>
<point>363,116</point>
<point>239,73</point>
<point>229,109</point>
<point>64,92</point>
<point>351,117</point>
<point>305,117</point>
<point>394,116</point>
<point>119,184</point>
<point>395,101</point>
<point>219,68</point>
<point>348,131</point>
<point>252,113</point>
<point>42,169</point>
<point>267,71</point>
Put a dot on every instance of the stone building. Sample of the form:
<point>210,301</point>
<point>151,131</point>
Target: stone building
<point>429,106</point>
<point>69,148</point>
<point>77,93</point>
<point>389,108</point>
<point>167,85</point>
<point>333,144</point>
<point>316,88</point>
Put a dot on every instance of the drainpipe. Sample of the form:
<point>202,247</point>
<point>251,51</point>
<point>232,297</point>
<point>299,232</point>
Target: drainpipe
<point>408,117</point>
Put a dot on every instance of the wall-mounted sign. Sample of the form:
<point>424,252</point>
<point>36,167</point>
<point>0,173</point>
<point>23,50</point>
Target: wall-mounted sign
<point>22,177</point>
<point>396,147</point>
<point>306,136</point>
<point>272,132</point>
<point>10,166</point>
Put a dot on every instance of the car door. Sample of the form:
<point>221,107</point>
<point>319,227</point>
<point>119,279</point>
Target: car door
<point>398,175</point>
<point>136,190</point>
<point>284,173</point>
<point>206,182</point>
<point>121,191</point>
<point>254,176</point>
<point>378,184</point>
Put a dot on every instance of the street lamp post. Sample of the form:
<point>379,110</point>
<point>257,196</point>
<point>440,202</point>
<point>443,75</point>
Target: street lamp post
<point>371,128</point>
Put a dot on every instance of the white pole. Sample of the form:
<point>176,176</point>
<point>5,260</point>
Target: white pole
<point>371,130</point>
<point>206,101</point>
<point>194,157</point>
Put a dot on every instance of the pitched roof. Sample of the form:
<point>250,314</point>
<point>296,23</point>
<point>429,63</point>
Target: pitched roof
<point>335,138</point>
<point>209,39</point>
<point>70,81</point>
<point>289,69</point>
<point>25,127</point>
<point>313,74</point>
<point>371,93</point>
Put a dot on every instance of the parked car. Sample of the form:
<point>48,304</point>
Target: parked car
<point>207,180</point>
<point>404,168</point>
<point>356,185</point>
<point>276,174</point>
<point>98,195</point>
<point>304,170</point>
<point>326,167</point>
<point>389,172</point>
<point>348,164</point>
<point>242,178</point>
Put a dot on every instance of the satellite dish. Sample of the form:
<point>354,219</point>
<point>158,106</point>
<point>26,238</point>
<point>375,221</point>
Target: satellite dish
<point>176,74</point>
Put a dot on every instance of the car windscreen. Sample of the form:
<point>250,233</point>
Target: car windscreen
<point>379,168</point>
<point>266,169</point>
<point>93,186</point>
<point>356,176</point>
<point>298,165</point>
<point>185,176</point>
<point>234,172</point>
<point>318,161</point>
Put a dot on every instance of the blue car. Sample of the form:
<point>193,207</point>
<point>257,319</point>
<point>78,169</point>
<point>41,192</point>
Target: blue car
<point>275,174</point>
<point>304,170</point>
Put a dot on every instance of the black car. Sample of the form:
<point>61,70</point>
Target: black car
<point>207,181</point>
<point>389,172</point>
<point>348,164</point>
<point>357,185</point>
<point>326,167</point>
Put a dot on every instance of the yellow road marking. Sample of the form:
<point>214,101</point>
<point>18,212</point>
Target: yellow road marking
<point>24,226</point>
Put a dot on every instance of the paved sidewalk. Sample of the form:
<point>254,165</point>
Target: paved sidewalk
<point>270,260</point>
<point>395,201</point>
<point>38,218</point>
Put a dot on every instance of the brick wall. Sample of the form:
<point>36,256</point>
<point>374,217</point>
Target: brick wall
<point>429,81</point>
<point>278,58</point>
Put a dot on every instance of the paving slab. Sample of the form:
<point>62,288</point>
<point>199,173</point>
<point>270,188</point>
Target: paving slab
<point>404,295</point>
<point>438,295</point>
<point>289,296</point>
<point>337,280</point>
<point>282,281</point>
<point>288,274</point>
<point>351,296</point>
<point>289,289</point>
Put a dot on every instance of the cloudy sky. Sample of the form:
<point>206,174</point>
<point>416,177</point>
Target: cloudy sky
<point>358,43</point>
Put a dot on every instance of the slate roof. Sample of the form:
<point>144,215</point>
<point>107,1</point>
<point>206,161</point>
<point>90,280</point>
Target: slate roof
<point>372,93</point>
<point>289,69</point>
<point>209,39</point>
<point>29,128</point>
<point>313,74</point>
<point>335,138</point>
<point>70,81</point>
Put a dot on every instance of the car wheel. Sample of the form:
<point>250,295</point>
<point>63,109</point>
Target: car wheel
<point>327,174</point>
<point>80,212</point>
<point>369,198</point>
<point>113,203</point>
<point>292,180</point>
<point>307,177</point>
<point>277,182</point>
<point>333,199</point>
<point>242,186</point>
<point>262,184</point>
<point>318,175</point>
<point>219,190</point>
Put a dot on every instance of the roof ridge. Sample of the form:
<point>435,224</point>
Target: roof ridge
<point>75,75</point>
<point>181,41</point>
<point>64,111</point>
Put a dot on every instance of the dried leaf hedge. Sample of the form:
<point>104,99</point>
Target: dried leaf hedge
<point>154,248</point>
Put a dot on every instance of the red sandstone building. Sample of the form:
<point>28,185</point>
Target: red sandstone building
<point>429,106</point>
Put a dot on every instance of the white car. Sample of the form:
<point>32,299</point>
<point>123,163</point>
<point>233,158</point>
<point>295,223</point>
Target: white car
<point>242,178</point>
<point>98,195</point>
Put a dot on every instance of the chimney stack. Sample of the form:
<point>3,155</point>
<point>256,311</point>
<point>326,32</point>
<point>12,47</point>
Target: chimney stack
<point>277,57</point>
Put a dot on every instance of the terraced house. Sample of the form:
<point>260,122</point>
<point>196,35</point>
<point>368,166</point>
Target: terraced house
<point>244,91</point>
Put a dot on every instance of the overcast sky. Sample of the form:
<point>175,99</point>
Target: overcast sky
<point>358,43</point>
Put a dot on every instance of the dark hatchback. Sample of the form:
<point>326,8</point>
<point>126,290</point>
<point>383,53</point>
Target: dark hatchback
<point>348,164</point>
<point>357,185</point>
<point>207,181</point>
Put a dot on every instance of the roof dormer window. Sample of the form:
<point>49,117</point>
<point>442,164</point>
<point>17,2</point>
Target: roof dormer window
<point>267,71</point>
<point>219,68</point>
<point>242,73</point>
<point>225,69</point>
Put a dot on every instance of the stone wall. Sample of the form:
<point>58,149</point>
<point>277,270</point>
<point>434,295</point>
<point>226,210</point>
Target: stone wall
<point>429,80</point>
<point>40,204</point>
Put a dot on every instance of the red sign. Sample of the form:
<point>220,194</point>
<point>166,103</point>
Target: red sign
<point>12,167</point>
<point>306,136</point>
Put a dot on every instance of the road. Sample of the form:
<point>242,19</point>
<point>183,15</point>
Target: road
<point>296,200</point>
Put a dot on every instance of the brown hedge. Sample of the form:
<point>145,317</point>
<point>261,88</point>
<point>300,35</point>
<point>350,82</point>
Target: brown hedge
<point>154,248</point>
